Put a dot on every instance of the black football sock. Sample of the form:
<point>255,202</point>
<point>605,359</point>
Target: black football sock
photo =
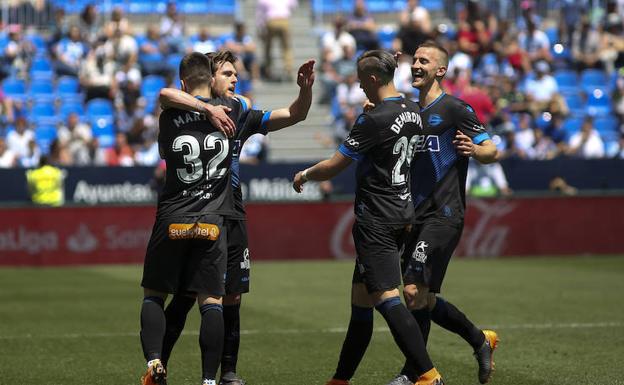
<point>175,314</point>
<point>231,338</point>
<point>423,318</point>
<point>450,318</point>
<point>152,327</point>
<point>211,339</point>
<point>406,333</point>
<point>356,341</point>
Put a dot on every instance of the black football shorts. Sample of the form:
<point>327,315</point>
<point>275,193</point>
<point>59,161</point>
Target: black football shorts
<point>428,251</point>
<point>238,263</point>
<point>378,251</point>
<point>187,255</point>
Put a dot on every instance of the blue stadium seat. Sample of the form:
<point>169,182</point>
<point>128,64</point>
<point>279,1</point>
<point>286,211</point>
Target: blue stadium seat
<point>433,5</point>
<point>44,136</point>
<point>42,91</point>
<point>606,124</point>
<point>553,35</point>
<point>592,79</point>
<point>575,103</point>
<point>571,126</point>
<point>223,7</point>
<point>386,35</point>
<point>567,80</point>
<point>598,103</point>
<point>109,5</point>
<point>379,6</point>
<point>194,6</point>
<point>103,127</point>
<point>326,6</point>
<point>42,110</point>
<point>100,107</point>
<point>151,85</point>
<point>147,6</point>
<point>68,108</point>
<point>15,88</point>
<point>41,69</point>
<point>68,85</point>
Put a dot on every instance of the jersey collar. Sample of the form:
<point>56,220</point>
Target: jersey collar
<point>393,98</point>
<point>434,102</point>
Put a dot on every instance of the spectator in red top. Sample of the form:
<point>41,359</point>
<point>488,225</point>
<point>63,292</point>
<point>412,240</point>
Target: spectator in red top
<point>480,102</point>
<point>121,153</point>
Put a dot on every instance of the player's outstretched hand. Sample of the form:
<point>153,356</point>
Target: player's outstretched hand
<point>305,74</point>
<point>368,105</point>
<point>464,144</point>
<point>298,182</point>
<point>217,115</point>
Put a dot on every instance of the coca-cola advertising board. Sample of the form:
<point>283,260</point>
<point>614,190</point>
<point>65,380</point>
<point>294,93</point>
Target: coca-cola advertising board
<point>494,228</point>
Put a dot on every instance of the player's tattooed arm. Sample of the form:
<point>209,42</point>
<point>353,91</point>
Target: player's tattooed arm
<point>217,115</point>
<point>298,110</point>
<point>484,152</point>
<point>323,170</point>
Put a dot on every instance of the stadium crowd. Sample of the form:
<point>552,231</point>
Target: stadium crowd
<point>83,88</point>
<point>84,91</point>
<point>544,87</point>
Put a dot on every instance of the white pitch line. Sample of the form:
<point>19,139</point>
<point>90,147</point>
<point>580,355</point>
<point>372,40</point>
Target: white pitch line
<point>336,330</point>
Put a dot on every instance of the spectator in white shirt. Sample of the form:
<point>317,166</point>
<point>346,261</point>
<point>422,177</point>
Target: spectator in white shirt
<point>17,141</point>
<point>333,42</point>
<point>586,143</point>
<point>525,137</point>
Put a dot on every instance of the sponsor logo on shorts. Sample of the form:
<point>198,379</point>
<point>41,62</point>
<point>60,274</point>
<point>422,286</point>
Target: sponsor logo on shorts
<point>206,231</point>
<point>245,265</point>
<point>420,253</point>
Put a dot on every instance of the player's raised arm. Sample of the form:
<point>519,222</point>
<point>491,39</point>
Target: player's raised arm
<point>323,170</point>
<point>298,110</point>
<point>217,115</point>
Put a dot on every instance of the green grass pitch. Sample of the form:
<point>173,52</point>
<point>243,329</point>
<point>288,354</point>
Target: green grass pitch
<point>561,321</point>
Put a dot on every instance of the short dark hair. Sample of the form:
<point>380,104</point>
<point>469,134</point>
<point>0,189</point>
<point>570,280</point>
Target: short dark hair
<point>378,62</point>
<point>435,45</point>
<point>195,70</point>
<point>220,57</point>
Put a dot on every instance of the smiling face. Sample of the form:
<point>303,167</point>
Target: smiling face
<point>428,65</point>
<point>225,79</point>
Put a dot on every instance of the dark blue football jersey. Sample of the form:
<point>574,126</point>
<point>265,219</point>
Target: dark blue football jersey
<point>382,142</point>
<point>438,172</point>
<point>198,158</point>
<point>251,122</point>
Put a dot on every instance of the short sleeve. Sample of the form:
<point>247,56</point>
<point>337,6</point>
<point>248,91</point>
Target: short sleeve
<point>253,122</point>
<point>361,139</point>
<point>470,125</point>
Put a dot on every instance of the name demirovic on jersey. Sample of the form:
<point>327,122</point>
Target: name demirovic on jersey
<point>383,142</point>
<point>198,158</point>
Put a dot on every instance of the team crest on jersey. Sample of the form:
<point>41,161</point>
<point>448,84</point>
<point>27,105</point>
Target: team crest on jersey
<point>434,120</point>
<point>246,264</point>
<point>420,252</point>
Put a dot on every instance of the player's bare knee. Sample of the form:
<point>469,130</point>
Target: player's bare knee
<point>381,296</point>
<point>154,293</point>
<point>205,299</point>
<point>232,299</point>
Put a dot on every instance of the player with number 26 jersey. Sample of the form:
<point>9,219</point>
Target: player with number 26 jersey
<point>382,141</point>
<point>198,157</point>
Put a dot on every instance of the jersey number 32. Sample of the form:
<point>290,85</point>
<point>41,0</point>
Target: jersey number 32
<point>191,146</point>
